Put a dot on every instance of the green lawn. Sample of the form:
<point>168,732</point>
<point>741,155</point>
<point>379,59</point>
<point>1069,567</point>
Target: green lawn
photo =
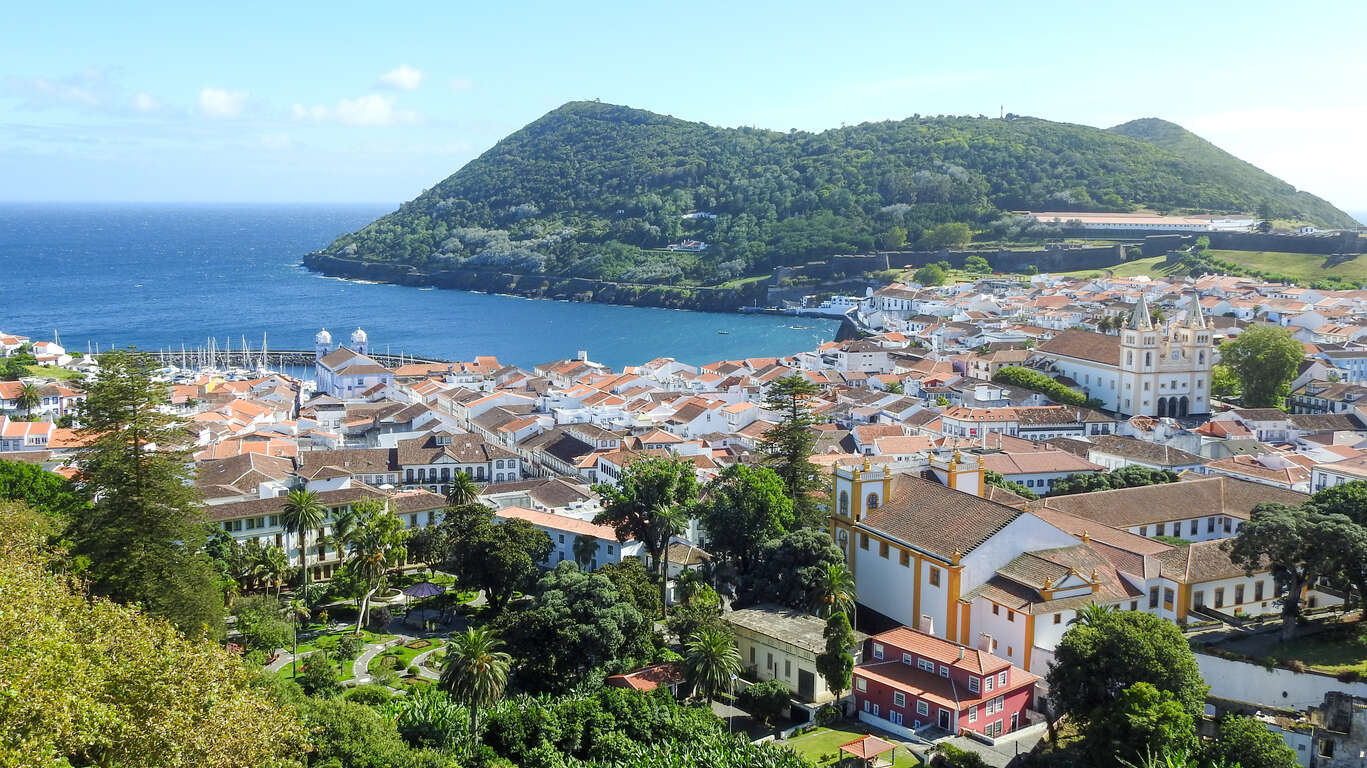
<point>1332,652</point>
<point>1304,266</point>
<point>50,372</point>
<point>404,653</point>
<point>328,642</point>
<point>822,746</point>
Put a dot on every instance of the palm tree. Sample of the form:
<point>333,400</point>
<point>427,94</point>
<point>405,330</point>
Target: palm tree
<point>29,397</point>
<point>585,550</point>
<point>373,539</point>
<point>463,490</point>
<point>711,659</point>
<point>835,592</point>
<point>475,672</point>
<point>274,566</point>
<point>1090,615</point>
<point>303,513</point>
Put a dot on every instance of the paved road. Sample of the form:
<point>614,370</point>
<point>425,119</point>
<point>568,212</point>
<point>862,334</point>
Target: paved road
<point>424,672</point>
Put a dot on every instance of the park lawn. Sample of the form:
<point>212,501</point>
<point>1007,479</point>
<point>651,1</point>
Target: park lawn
<point>820,745</point>
<point>738,282</point>
<point>404,653</point>
<point>50,372</point>
<point>1330,652</point>
<point>329,641</point>
<point>1306,266</point>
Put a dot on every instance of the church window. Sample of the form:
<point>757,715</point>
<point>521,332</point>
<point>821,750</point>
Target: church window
<point>1129,358</point>
<point>1148,359</point>
<point>871,503</point>
<point>1201,358</point>
<point>845,503</point>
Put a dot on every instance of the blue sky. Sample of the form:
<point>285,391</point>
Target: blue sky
<point>311,101</point>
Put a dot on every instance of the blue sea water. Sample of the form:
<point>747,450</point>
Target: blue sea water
<point>159,276</point>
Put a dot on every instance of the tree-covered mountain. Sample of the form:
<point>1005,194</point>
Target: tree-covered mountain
<point>598,191</point>
<point>1260,188</point>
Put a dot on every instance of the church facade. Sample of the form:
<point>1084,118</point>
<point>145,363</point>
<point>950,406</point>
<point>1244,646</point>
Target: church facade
<point>1146,370</point>
<point>347,372</point>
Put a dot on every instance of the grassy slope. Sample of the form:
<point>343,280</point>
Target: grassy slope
<point>1210,160</point>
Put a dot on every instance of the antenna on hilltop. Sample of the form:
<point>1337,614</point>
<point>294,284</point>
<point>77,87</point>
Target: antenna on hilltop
<point>1003,110</point>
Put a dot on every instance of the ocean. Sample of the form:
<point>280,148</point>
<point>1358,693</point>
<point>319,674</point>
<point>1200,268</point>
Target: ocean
<point>159,276</point>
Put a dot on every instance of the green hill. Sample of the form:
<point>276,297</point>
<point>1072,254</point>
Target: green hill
<point>1258,187</point>
<point>597,191</point>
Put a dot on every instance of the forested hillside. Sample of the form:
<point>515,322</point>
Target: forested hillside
<point>1281,200</point>
<point>598,191</point>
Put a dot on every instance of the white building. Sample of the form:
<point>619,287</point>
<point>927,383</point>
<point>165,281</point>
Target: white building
<point>347,373</point>
<point>1144,371</point>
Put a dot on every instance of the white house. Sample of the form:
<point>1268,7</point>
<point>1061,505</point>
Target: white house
<point>574,539</point>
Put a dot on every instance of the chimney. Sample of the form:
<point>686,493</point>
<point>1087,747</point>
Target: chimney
<point>985,642</point>
<point>927,624</point>
<point>582,355</point>
<point>961,653</point>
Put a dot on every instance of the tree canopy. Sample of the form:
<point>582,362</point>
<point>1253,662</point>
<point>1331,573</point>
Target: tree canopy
<point>1264,359</point>
<point>97,683</point>
<point>142,532</point>
<point>577,623</point>
<point>742,508</point>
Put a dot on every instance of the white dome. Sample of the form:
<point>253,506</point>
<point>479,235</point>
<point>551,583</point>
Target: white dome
<point>358,336</point>
<point>323,337</point>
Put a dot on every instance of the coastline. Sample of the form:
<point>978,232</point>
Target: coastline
<point>701,299</point>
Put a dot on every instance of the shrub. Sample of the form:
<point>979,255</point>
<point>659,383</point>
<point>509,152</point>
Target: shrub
<point>766,701</point>
<point>1296,665</point>
<point>378,619</point>
<point>371,695</point>
<point>1015,375</point>
<point>349,646</point>
<point>1349,676</point>
<point>319,677</point>
<point>828,714</point>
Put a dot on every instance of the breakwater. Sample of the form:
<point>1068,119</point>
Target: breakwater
<point>272,359</point>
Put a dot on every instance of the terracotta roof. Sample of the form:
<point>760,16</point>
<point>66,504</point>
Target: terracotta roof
<point>1084,345</point>
<point>1034,462</point>
<point>937,519</point>
<point>649,678</point>
<point>1216,495</point>
<point>558,522</point>
<point>1144,451</point>
<point>1198,562</point>
<point>941,690</point>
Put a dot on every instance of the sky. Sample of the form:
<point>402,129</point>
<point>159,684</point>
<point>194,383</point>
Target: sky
<point>365,102</point>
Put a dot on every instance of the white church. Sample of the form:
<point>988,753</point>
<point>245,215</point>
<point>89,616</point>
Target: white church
<point>346,372</point>
<point>1145,371</point>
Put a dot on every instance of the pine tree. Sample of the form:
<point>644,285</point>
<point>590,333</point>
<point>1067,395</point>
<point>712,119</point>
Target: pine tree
<point>787,446</point>
<point>142,534</point>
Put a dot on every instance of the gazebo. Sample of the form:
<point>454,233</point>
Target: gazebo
<point>868,749</point>
<point>424,589</point>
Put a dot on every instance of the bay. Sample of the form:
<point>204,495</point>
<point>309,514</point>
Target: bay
<point>159,276</point>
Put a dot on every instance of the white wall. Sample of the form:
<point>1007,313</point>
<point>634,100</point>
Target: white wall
<point>1282,688</point>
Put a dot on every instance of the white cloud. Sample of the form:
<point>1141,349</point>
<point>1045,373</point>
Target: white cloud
<point>217,102</point>
<point>90,89</point>
<point>279,140</point>
<point>144,102</point>
<point>404,78</point>
<point>461,84</point>
<point>371,109</point>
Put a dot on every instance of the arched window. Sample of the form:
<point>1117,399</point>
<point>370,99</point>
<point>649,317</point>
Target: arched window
<point>1129,358</point>
<point>871,503</point>
<point>1183,406</point>
<point>1201,358</point>
<point>1148,359</point>
<point>1162,407</point>
<point>845,503</point>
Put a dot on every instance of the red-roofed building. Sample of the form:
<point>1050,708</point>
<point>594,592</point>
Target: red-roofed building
<point>573,539</point>
<point>910,679</point>
<point>668,673</point>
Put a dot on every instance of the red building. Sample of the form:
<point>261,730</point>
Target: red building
<point>911,679</point>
